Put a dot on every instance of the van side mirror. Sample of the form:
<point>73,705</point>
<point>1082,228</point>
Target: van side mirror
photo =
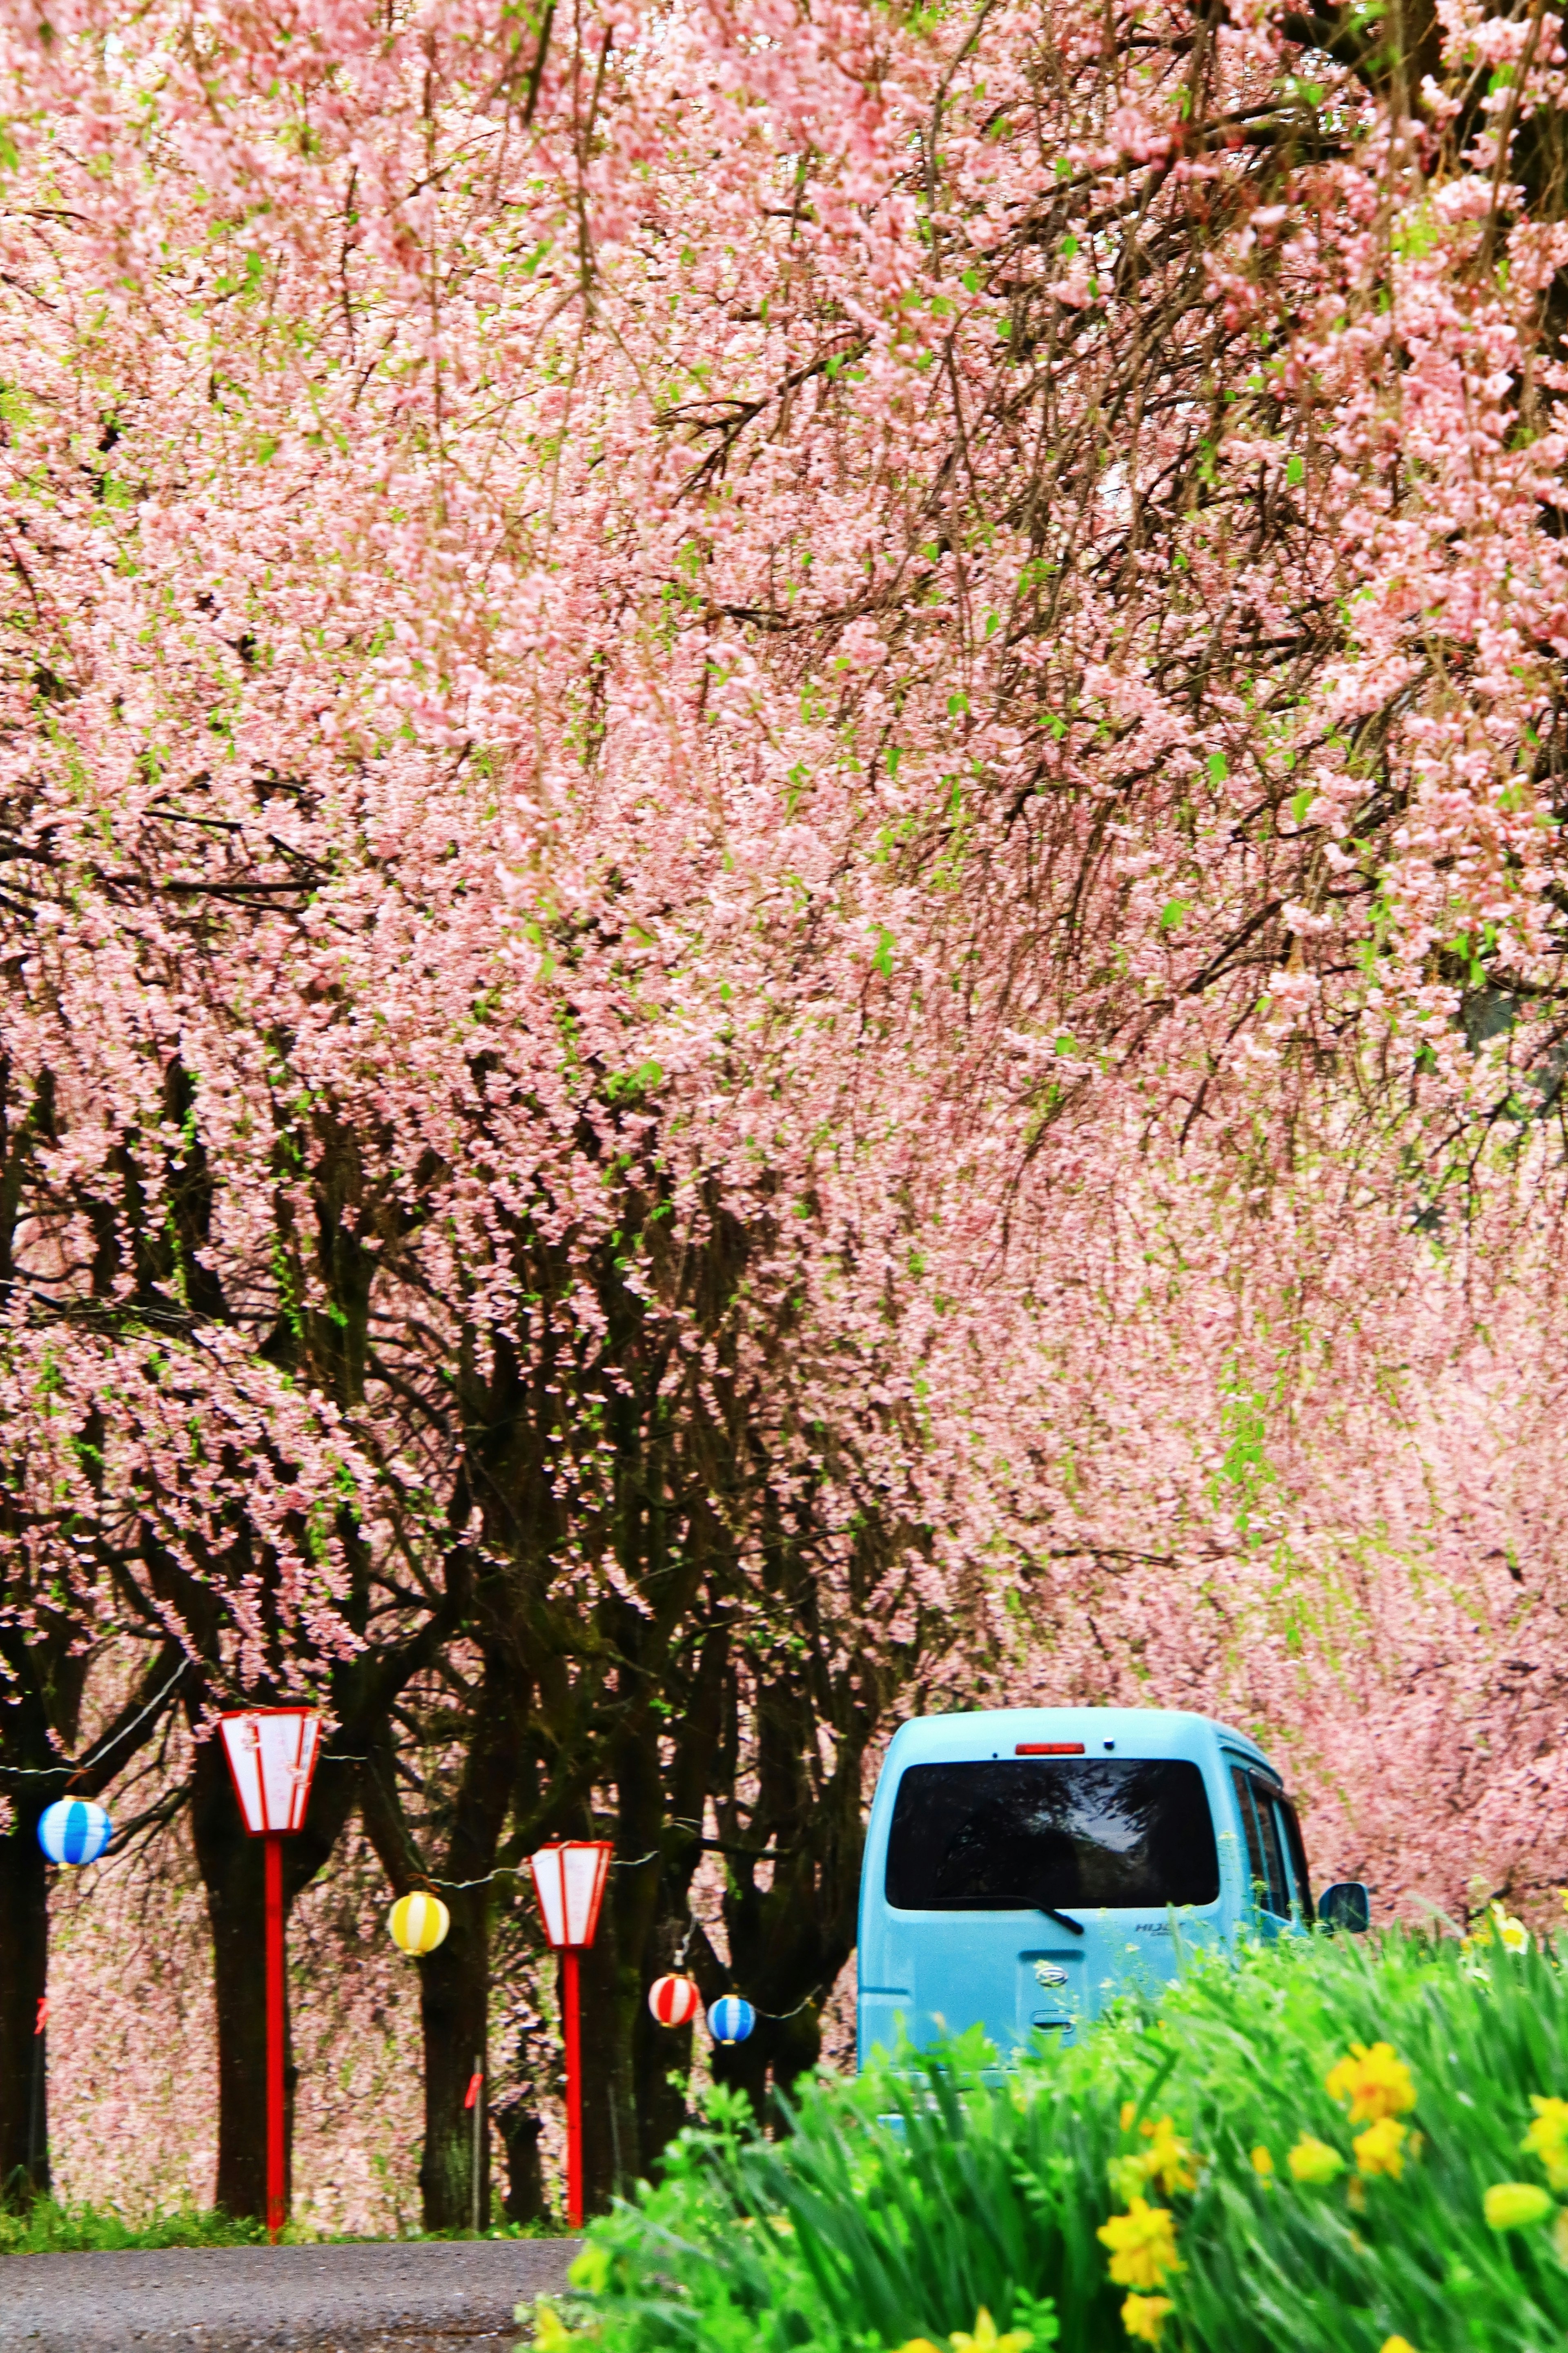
<point>1346,1904</point>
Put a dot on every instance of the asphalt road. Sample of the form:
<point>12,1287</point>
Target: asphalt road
<point>441,2296</point>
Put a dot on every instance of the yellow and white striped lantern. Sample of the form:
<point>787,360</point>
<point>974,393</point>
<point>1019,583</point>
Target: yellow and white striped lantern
<point>419,1922</point>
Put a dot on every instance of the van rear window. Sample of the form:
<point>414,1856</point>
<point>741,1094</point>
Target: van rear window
<point>1005,1835</point>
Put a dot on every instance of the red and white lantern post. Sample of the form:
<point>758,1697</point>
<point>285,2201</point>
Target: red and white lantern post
<point>568,1881</point>
<point>272,1757</point>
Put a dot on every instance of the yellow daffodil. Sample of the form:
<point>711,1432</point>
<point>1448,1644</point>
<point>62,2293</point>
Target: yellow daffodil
<point>1380,2148</point>
<point>1141,2316</point>
<point>1499,1927</point>
<point>1263,2162</point>
<point>1515,2205</point>
<point>1374,2082</point>
<point>1397,2345</point>
<point>1548,2139</point>
<point>1168,2162</point>
<point>1511,1934</point>
<point>1313,2160</point>
<point>1169,2158</point>
<point>986,2340</point>
<point>1142,2243</point>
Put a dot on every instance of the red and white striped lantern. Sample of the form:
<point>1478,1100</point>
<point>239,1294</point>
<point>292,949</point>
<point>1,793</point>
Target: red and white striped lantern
<point>673,2000</point>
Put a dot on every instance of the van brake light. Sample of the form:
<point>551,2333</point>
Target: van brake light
<point>1049,1748</point>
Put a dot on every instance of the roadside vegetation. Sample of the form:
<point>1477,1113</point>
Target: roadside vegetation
<point>47,2227</point>
<point>1337,2147</point>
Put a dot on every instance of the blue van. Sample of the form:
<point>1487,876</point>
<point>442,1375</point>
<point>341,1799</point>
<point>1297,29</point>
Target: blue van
<point>1024,1865</point>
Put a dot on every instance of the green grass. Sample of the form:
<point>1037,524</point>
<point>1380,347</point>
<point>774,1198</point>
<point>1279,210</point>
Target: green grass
<point>45,2226</point>
<point>856,2235</point>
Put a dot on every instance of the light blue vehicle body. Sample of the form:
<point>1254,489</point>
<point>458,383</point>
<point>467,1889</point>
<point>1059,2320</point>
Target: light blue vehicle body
<point>1014,1970</point>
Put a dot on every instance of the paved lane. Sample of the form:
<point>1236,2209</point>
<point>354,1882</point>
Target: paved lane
<point>441,2296</point>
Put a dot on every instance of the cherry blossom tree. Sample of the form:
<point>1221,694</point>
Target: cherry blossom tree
<point>911,654</point>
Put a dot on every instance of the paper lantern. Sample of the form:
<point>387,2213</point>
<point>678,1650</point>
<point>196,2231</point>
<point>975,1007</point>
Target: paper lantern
<point>568,1881</point>
<point>730,2020</point>
<point>72,1831</point>
<point>419,1922</point>
<point>272,1757</point>
<point>673,2000</point>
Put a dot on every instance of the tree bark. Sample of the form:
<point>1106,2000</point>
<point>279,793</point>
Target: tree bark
<point>611,1989</point>
<point>230,1862</point>
<point>232,1872</point>
<point>47,1678</point>
<point>23,1974</point>
<point>454,2024</point>
<point>521,2130</point>
<point>455,1980</point>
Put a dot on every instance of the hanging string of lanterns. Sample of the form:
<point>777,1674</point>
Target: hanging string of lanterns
<point>674,2002</point>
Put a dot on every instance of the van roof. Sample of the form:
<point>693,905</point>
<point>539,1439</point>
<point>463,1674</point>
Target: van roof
<point>1129,1731</point>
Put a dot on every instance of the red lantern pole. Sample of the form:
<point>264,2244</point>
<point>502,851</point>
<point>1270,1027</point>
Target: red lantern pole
<point>272,1755</point>
<point>568,1881</point>
<point>570,2021</point>
<point>272,1846</point>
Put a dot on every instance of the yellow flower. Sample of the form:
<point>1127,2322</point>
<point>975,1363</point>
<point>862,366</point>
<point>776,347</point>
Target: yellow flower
<point>551,2332</point>
<point>1263,2161</point>
<point>1548,2139</point>
<point>1515,2205</point>
<point>919,2345</point>
<point>1380,2149</point>
<point>1397,2345</point>
<point>986,2340</point>
<point>1141,2316</point>
<point>1167,2162</point>
<point>1129,2108</point>
<point>1512,1933</point>
<point>1374,2082</point>
<point>1313,2160</point>
<point>1142,2243</point>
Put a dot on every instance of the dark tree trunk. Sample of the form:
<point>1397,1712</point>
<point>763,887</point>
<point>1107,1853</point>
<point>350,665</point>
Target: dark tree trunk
<point>233,1878</point>
<point>47,1678</point>
<point>455,1980</point>
<point>454,2019</point>
<point>610,1993</point>
<point>24,1978</point>
<point>230,1862</point>
<point>520,2130</point>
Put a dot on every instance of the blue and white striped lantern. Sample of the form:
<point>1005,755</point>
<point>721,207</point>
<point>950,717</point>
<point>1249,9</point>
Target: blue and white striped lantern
<point>72,1831</point>
<point>730,2020</point>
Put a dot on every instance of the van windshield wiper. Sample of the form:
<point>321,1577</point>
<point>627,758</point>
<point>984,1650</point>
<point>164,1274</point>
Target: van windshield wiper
<point>1004,1904</point>
<point>1060,1918</point>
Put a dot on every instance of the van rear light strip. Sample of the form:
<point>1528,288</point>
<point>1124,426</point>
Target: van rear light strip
<point>1049,1748</point>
